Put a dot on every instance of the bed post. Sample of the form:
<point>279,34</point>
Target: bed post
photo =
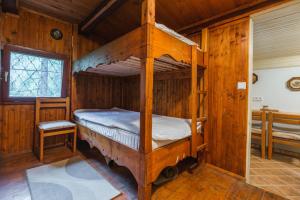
<point>194,103</point>
<point>204,47</point>
<point>146,101</point>
<point>73,77</point>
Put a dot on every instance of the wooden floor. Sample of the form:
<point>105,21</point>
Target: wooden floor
<point>281,175</point>
<point>207,182</point>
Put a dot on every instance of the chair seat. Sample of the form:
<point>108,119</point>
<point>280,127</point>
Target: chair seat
<point>287,135</point>
<point>54,125</point>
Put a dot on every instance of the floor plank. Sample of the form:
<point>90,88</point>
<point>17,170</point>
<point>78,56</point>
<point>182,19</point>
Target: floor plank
<point>206,182</point>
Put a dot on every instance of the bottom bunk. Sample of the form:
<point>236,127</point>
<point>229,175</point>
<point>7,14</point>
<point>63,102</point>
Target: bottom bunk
<point>115,132</point>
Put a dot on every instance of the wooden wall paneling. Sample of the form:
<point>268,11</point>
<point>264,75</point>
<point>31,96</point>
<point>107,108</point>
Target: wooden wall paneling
<point>17,124</point>
<point>29,30</point>
<point>33,31</point>
<point>86,45</point>
<point>228,64</point>
<point>98,91</point>
<point>130,93</point>
<point>81,46</point>
<point>171,94</point>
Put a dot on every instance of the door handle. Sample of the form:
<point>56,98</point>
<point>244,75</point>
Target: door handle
<point>6,76</point>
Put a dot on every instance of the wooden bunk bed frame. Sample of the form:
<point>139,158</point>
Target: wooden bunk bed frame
<point>149,43</point>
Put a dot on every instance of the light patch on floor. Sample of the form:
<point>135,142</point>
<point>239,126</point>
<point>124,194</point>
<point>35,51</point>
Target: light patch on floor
<point>281,175</point>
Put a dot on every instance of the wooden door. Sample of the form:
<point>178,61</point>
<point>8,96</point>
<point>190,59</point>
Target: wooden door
<point>228,105</point>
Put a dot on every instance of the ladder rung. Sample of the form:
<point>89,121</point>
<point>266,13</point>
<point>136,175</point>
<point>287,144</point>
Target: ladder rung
<point>202,119</point>
<point>202,92</point>
<point>201,147</point>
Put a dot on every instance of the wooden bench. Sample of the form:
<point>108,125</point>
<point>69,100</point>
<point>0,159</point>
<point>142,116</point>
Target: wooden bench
<point>283,129</point>
<point>258,129</point>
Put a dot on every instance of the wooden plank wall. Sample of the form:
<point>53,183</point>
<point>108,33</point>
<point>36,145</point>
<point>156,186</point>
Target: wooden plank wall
<point>32,30</point>
<point>228,64</point>
<point>171,95</point>
<point>17,119</point>
<point>96,91</point>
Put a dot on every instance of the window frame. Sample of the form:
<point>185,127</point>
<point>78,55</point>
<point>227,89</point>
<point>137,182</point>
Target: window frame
<point>8,48</point>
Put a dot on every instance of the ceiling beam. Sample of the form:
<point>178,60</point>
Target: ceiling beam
<point>10,6</point>
<point>106,8</point>
<point>248,8</point>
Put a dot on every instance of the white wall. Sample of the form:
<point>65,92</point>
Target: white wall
<point>271,86</point>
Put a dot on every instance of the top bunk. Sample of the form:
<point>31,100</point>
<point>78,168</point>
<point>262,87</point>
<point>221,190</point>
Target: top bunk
<point>123,56</point>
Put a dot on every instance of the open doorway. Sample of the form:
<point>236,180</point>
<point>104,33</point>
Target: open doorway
<point>275,101</point>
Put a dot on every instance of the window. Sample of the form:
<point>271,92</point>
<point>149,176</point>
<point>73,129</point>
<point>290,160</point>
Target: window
<point>31,73</point>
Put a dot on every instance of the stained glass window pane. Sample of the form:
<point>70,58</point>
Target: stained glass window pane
<point>35,76</point>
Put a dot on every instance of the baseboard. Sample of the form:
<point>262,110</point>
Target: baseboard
<point>239,177</point>
<point>4,155</point>
<point>7,155</point>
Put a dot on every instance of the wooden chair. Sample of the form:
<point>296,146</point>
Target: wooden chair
<point>258,129</point>
<point>52,128</point>
<point>283,129</point>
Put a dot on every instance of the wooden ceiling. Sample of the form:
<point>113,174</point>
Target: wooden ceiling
<point>181,13</point>
<point>73,11</point>
<point>176,14</point>
<point>276,37</point>
<point>277,32</point>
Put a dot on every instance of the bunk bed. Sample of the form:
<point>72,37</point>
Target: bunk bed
<point>151,48</point>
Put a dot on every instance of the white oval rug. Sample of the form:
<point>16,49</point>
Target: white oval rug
<point>70,179</point>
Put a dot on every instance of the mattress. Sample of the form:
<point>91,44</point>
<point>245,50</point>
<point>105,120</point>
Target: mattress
<point>174,34</point>
<point>127,135</point>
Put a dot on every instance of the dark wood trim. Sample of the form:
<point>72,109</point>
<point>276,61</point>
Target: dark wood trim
<point>239,11</point>
<point>289,84</point>
<point>106,8</point>
<point>8,48</point>
<point>10,6</point>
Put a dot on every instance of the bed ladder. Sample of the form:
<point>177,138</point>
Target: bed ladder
<point>202,101</point>
<point>202,96</point>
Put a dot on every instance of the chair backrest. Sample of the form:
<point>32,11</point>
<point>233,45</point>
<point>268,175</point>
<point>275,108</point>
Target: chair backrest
<point>284,122</point>
<point>48,103</point>
<point>259,117</point>
<point>259,120</point>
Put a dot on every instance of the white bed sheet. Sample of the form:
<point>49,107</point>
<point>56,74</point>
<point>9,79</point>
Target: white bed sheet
<point>173,33</point>
<point>90,119</point>
<point>120,136</point>
<point>163,127</point>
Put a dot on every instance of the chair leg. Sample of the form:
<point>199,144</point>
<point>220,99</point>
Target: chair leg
<point>74,139</point>
<point>41,145</point>
<point>34,145</point>
<point>263,146</point>
<point>270,148</point>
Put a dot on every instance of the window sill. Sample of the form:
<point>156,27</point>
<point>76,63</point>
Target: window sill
<point>17,102</point>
